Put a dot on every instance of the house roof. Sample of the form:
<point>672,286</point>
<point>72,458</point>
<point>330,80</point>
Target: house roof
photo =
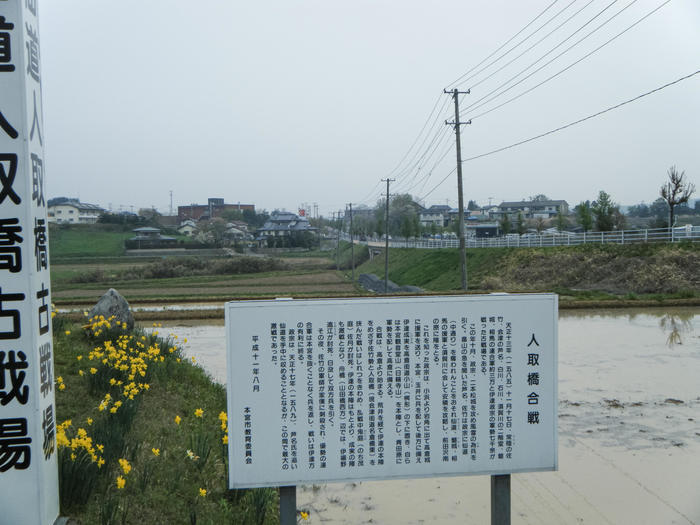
<point>82,206</point>
<point>435,208</point>
<point>531,203</point>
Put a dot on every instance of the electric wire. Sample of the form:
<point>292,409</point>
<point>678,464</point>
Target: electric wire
<point>476,102</point>
<point>531,47</point>
<point>413,164</point>
<point>435,143</point>
<point>584,119</point>
<point>424,180</point>
<point>569,66</point>
<point>434,133</point>
<point>418,136</point>
<point>418,162</point>
<point>439,183</point>
<point>561,128</point>
<point>506,43</point>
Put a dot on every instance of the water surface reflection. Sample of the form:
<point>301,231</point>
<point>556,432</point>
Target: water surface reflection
<point>626,375</point>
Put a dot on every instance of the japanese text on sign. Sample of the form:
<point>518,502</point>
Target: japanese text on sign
<point>323,390</point>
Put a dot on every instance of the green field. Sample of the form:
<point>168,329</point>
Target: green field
<point>86,241</point>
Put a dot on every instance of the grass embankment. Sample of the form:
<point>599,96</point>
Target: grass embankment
<point>590,272</point>
<point>86,240</point>
<point>141,434</point>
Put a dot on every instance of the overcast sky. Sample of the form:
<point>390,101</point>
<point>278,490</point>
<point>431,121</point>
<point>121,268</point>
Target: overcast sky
<point>280,103</point>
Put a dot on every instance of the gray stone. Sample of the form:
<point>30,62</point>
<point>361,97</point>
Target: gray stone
<point>113,304</point>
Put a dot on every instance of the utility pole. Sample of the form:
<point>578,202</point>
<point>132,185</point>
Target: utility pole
<point>352,245</point>
<point>386,237</point>
<point>462,247</point>
<point>171,202</point>
<point>337,243</point>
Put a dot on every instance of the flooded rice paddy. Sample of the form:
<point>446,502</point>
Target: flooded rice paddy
<point>629,432</point>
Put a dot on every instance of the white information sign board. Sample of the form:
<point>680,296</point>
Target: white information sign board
<point>378,388</point>
<point>28,467</point>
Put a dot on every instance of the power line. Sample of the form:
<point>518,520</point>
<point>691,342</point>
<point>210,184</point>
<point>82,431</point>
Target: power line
<point>437,141</point>
<point>531,47</point>
<point>371,192</point>
<point>425,178</point>
<point>435,133</point>
<point>560,128</point>
<point>440,183</point>
<point>583,119</point>
<point>413,163</point>
<point>508,42</point>
<point>475,103</point>
<point>437,100</point>
<point>567,67</point>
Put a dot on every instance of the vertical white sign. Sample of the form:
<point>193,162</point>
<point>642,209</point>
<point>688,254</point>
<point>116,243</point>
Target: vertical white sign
<point>28,466</point>
<point>357,389</point>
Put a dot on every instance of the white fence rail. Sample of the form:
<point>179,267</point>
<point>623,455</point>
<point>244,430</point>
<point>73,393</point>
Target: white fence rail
<point>684,234</point>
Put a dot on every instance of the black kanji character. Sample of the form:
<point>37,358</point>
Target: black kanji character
<point>533,359</point>
<point>10,251</point>
<point>49,428</point>
<point>31,5</point>
<point>45,372</point>
<point>533,340</point>
<point>7,177</point>
<point>533,378</point>
<point>15,369</point>
<point>15,451</point>
<point>16,331</point>
<point>43,310</point>
<point>35,124</point>
<point>33,53</point>
<point>533,398</point>
<point>7,127</point>
<point>40,248</point>
<point>533,417</point>
<point>38,180</point>
<point>6,46</point>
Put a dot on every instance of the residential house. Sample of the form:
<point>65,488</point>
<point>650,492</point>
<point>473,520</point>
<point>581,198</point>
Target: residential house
<point>148,238</point>
<point>453,215</point>
<point>437,214</point>
<point>188,227</point>
<point>282,223</point>
<point>72,211</point>
<point>532,209</point>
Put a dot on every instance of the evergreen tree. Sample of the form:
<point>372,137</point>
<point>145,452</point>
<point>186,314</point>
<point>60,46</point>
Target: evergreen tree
<point>584,215</point>
<point>505,224</point>
<point>603,212</point>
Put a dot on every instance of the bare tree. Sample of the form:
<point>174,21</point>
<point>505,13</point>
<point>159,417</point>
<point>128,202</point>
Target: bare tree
<point>676,191</point>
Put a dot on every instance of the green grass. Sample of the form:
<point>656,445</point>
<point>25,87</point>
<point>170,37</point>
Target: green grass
<point>86,241</point>
<point>436,270</point>
<point>159,489</point>
<point>588,272</point>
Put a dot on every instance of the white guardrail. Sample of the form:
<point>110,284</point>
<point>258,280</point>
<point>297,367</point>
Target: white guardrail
<point>683,234</point>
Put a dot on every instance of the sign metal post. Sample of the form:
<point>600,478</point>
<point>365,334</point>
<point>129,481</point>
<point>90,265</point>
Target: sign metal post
<point>288,505</point>
<point>28,465</point>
